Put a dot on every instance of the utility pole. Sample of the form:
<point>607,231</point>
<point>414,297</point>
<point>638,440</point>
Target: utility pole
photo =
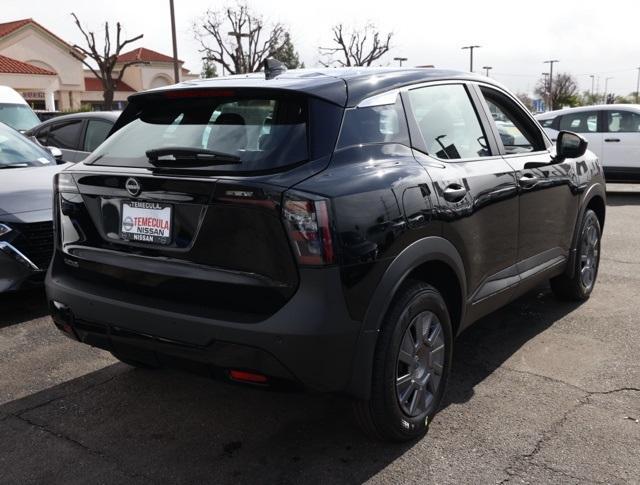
<point>551,62</point>
<point>593,79</point>
<point>400,60</point>
<point>638,86</point>
<point>176,66</point>
<point>486,70</point>
<point>545,82</point>
<point>471,47</point>
<point>606,85</point>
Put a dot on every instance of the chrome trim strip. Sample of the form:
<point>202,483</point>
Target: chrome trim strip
<point>380,99</point>
<point>17,254</point>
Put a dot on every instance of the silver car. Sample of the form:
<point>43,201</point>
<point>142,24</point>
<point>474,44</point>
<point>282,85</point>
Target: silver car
<point>26,232</point>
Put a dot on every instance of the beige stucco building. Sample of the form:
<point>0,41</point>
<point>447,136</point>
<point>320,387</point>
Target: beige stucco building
<point>39,65</point>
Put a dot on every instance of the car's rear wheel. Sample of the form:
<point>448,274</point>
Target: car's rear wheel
<point>585,272</point>
<point>411,366</point>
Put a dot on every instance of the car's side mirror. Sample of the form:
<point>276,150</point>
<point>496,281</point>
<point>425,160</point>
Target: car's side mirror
<point>570,145</point>
<point>55,153</point>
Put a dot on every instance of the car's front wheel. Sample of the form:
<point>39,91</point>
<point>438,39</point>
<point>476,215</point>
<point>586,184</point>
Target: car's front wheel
<point>411,366</point>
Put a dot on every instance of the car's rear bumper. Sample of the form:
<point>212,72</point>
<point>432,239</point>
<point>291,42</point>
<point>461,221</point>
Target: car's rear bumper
<point>310,340</point>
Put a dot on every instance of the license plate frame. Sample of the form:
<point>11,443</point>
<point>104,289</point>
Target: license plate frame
<point>146,209</point>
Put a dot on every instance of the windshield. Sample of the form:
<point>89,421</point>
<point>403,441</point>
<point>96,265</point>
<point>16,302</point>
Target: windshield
<point>260,133</point>
<point>17,151</point>
<point>18,116</point>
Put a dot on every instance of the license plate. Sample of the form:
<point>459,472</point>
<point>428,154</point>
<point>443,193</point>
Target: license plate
<point>147,222</point>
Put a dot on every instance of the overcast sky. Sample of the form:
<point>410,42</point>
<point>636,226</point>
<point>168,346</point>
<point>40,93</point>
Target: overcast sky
<point>587,37</point>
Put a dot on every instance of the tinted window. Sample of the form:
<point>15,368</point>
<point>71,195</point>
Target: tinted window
<point>623,121</point>
<point>65,134</point>
<point>448,122</point>
<point>518,133</point>
<point>18,116</point>
<point>42,135</point>
<point>374,124</point>
<point>97,131</point>
<point>18,151</point>
<point>547,123</point>
<point>581,122</point>
<point>265,133</point>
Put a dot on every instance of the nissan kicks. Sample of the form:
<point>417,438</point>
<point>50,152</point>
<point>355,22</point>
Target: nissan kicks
<point>331,230</point>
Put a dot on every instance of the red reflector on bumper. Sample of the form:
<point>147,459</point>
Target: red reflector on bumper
<point>240,375</point>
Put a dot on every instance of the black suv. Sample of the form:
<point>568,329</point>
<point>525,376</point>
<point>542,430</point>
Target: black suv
<point>332,230</point>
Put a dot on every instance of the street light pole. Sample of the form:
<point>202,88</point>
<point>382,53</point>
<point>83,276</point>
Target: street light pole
<point>486,70</point>
<point>400,60</point>
<point>606,87</point>
<point>551,62</point>
<point>593,78</point>
<point>638,86</point>
<point>471,47</point>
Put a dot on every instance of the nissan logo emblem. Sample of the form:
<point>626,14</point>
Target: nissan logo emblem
<point>132,186</point>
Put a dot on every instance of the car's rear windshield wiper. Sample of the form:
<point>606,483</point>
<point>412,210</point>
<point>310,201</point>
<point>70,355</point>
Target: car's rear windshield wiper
<point>181,157</point>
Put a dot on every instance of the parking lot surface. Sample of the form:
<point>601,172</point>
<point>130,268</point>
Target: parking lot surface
<point>541,391</point>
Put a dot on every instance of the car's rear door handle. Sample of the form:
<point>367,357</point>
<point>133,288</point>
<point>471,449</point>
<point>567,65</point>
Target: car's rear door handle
<point>612,140</point>
<point>528,180</point>
<point>454,193</point>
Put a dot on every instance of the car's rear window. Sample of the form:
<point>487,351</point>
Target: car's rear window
<point>264,132</point>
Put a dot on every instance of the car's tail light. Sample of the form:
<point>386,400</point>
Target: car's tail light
<point>251,377</point>
<point>309,228</point>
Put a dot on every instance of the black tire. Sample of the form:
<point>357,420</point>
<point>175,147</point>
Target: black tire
<point>587,260</point>
<point>384,416</point>
<point>135,363</point>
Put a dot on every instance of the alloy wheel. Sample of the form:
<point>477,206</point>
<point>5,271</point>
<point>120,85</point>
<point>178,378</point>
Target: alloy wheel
<point>589,254</point>
<point>420,364</point>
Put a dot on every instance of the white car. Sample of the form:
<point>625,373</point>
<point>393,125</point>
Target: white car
<point>15,112</point>
<point>613,133</point>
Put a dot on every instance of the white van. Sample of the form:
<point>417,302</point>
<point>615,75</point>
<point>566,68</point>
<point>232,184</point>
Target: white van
<point>14,110</point>
<point>613,133</point>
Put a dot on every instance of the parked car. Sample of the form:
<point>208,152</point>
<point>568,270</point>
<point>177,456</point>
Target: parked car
<point>14,110</point>
<point>26,191</point>
<point>44,115</point>
<point>328,229</point>
<point>613,133</point>
<point>76,135</point>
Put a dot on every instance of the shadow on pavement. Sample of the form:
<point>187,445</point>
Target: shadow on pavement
<point>172,427</point>
<point>488,343</point>
<point>22,306</point>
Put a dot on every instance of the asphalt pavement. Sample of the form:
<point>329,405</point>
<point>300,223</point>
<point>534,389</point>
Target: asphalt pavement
<point>542,391</point>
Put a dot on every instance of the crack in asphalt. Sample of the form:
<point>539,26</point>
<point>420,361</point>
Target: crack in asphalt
<point>20,415</point>
<point>578,388</point>
<point>621,261</point>
<point>527,459</point>
<point>84,447</point>
<point>20,412</point>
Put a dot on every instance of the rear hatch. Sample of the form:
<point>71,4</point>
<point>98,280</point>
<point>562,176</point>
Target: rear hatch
<point>181,208</point>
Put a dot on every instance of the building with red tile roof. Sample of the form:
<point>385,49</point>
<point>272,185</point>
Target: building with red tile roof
<point>46,69</point>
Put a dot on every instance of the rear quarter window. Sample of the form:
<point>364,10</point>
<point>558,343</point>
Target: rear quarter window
<point>374,125</point>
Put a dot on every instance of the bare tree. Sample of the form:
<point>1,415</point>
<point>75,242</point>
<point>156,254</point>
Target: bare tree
<point>564,90</point>
<point>106,60</point>
<point>356,47</point>
<point>221,34</point>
